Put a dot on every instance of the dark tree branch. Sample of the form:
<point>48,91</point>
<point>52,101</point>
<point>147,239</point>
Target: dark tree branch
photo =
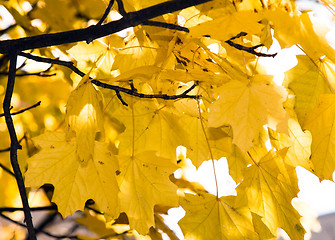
<point>23,110</point>
<point>7,169</point>
<point>117,89</point>
<point>50,217</point>
<point>8,149</point>
<point>15,145</point>
<point>14,209</point>
<point>165,25</point>
<point>96,31</point>
<point>39,74</point>
<point>141,95</point>
<point>44,232</point>
<point>7,29</point>
<point>67,64</point>
<point>241,34</point>
<point>120,6</point>
<point>120,98</point>
<point>250,49</point>
<point>108,9</point>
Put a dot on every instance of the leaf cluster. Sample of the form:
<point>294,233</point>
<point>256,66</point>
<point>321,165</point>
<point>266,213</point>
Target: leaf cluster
<point>101,119</point>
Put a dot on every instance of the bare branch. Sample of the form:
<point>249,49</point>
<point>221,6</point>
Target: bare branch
<point>15,145</point>
<point>41,231</point>
<point>248,49</point>
<point>108,9</point>
<point>7,169</point>
<point>8,149</point>
<point>67,64</point>
<point>96,31</point>
<point>120,5</point>
<point>23,110</point>
<point>165,25</point>
<point>14,209</point>
<point>117,89</point>
<point>141,95</point>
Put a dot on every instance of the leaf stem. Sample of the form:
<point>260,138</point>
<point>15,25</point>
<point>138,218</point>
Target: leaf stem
<point>209,149</point>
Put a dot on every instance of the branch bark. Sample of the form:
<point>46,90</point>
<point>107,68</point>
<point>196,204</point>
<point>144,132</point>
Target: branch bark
<point>91,33</point>
<point>15,145</point>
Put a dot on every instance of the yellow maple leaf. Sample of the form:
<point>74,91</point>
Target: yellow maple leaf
<point>247,107</point>
<point>97,53</point>
<point>297,141</point>
<point>84,116</point>
<point>149,128</point>
<point>229,25</point>
<point>57,164</point>
<point>302,29</point>
<point>144,182</point>
<point>270,185</point>
<point>320,122</point>
<point>139,51</point>
<point>209,217</point>
<point>307,80</point>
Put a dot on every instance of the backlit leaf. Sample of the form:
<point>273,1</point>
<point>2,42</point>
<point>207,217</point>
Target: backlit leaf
<point>320,122</point>
<point>144,182</point>
<point>270,185</point>
<point>209,217</point>
<point>84,117</point>
<point>247,107</point>
<point>57,163</point>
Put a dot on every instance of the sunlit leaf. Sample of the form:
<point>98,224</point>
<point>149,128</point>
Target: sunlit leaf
<point>247,107</point>
<point>57,163</point>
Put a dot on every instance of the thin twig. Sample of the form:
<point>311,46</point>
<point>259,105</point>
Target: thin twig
<point>7,169</point>
<point>120,5</point>
<point>15,145</point>
<point>7,28</point>
<point>108,9</point>
<point>44,232</point>
<point>93,32</point>
<point>142,95</point>
<point>117,89</point>
<point>33,209</point>
<point>120,98</point>
<point>250,49</point>
<point>39,74</point>
<point>67,64</point>
<point>165,25</point>
<point>8,149</point>
<point>23,110</point>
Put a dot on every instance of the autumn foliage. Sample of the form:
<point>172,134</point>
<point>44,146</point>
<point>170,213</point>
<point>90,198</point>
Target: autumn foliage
<point>113,111</point>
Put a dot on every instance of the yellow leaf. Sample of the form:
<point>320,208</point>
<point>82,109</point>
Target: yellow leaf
<point>297,141</point>
<point>303,30</point>
<point>307,81</point>
<point>96,225</point>
<point>84,117</point>
<point>229,25</point>
<point>209,217</point>
<point>149,128</point>
<point>58,18</point>
<point>57,164</point>
<point>144,182</point>
<point>198,150</point>
<point>139,51</point>
<point>132,5</point>
<point>270,185</point>
<point>320,122</point>
<point>247,107</point>
<point>87,55</point>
